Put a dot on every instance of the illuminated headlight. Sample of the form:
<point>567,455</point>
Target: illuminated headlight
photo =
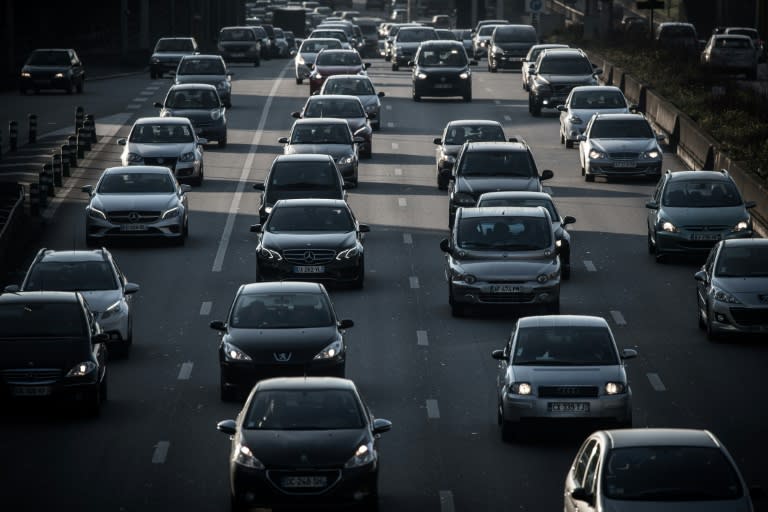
<point>521,388</point>
<point>346,160</point>
<point>347,254</point>
<point>300,60</point>
<point>267,210</point>
<point>169,214</point>
<point>187,157</point>
<point>316,76</point>
<point>464,199</point>
<point>669,227</point>
<point>26,74</point>
<point>166,112</point>
<point>112,310</point>
<point>742,226</point>
<point>269,254</point>
<point>497,50</point>
<point>574,119</point>
<point>59,75</point>
<point>559,243</point>
<point>243,456</point>
<point>614,388</point>
<point>653,154</point>
<point>223,85</point>
<point>448,158</point>
<point>82,369</point>
<point>215,114</point>
<point>134,157</point>
<point>464,75</point>
<point>596,155</point>
<point>96,213</point>
<point>421,76</point>
<point>232,353</point>
<point>333,350</point>
<point>721,295</point>
<point>365,454</point>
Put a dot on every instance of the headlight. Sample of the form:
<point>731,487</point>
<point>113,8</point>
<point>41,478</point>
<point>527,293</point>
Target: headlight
<point>653,154</point>
<point>543,278</point>
<point>614,388</point>
<point>721,295</point>
<point>166,112</point>
<point>59,75</point>
<point>742,225</point>
<point>365,454</point>
<point>421,76</point>
<point>232,353</point>
<point>464,75</point>
<point>300,60</point>
<point>111,310</point>
<point>155,60</point>
<point>95,213</point>
<point>347,254</point>
<point>346,160</point>
<point>187,157</point>
<point>317,76</point>
<point>669,227</point>
<point>462,199</point>
<point>574,119</point>
<point>447,158</point>
<point>82,369</point>
<point>243,456</point>
<point>224,84</point>
<point>334,349</point>
<point>26,74</point>
<point>269,254</point>
<point>596,155</point>
<point>467,278</point>
<point>215,114</point>
<point>134,157</point>
<point>558,243</point>
<point>521,388</point>
<point>169,214</point>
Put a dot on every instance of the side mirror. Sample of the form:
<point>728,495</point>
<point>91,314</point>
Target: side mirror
<point>218,325</point>
<point>88,189</point>
<point>346,323</point>
<point>202,140</point>
<point>296,115</point>
<point>700,276</point>
<point>380,425</point>
<point>597,71</point>
<point>568,220</point>
<point>652,205</point>
<point>255,228</point>
<point>130,288</point>
<point>546,175</point>
<point>634,108</point>
<point>11,288</point>
<point>358,140</point>
<point>445,246</point>
<point>411,63</point>
<point>227,427</point>
<point>438,141</point>
<point>750,204</point>
<point>372,115</point>
<point>185,187</point>
<point>366,65</point>
<point>258,186</point>
<point>628,353</point>
<point>380,94</point>
<point>283,140</point>
<point>561,108</point>
<point>364,228</point>
<point>581,494</point>
<point>661,136</point>
<point>498,354</point>
<point>121,142</point>
<point>102,337</point>
<point>157,104</point>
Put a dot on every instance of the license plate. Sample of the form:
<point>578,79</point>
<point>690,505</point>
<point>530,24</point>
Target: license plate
<point>706,236</point>
<point>238,55</point>
<point>625,164</point>
<point>31,390</point>
<point>443,86</point>
<point>504,288</point>
<point>309,269</point>
<point>291,482</point>
<point>568,406</point>
<point>133,227</point>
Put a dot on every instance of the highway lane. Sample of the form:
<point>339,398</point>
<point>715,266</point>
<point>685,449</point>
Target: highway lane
<point>155,446</point>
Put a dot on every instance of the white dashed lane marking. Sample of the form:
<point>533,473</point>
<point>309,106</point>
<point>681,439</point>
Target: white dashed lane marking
<point>656,383</point>
<point>402,202</point>
<point>407,238</point>
<point>161,452</point>
<point>421,338</point>
<point>398,171</point>
<point>388,107</point>
<point>205,308</point>
<point>147,92</point>
<point>414,281</point>
<point>497,102</point>
<point>433,411</point>
<point>133,106</point>
<point>446,501</point>
<point>186,370</point>
<point>395,146</point>
<point>140,99</point>
<point>507,118</point>
<point>590,266</point>
<point>618,318</point>
<point>390,124</point>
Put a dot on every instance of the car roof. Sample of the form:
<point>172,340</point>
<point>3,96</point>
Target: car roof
<point>137,169</point>
<point>347,97</point>
<point>53,50</point>
<point>744,242</point>
<point>303,157</point>
<point>175,38</point>
<point>621,116</point>
<point>504,211</point>
<point>346,77</point>
<point>731,36</point>
<point>163,120</point>
<point>321,120</point>
<point>206,56</point>
<point>699,175</point>
<point>442,42</point>
<point>520,194</point>
<point>281,286</point>
<point>474,122</point>
<point>339,50</point>
<point>495,145</point>
<point>545,46</point>
<point>598,88</point>
<point>39,296</point>
<point>632,437</point>
<point>311,201</point>
<point>557,53</point>
<point>305,383</point>
<point>562,321</point>
<point>72,255</point>
<point>190,87</point>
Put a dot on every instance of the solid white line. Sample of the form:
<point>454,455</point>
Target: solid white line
<point>446,501</point>
<point>407,238</point>
<point>414,281</point>
<point>507,118</point>
<point>388,107</point>
<point>433,411</point>
<point>153,87</point>
<point>656,383</point>
<point>402,202</point>
<point>205,308</point>
<point>133,106</point>
<point>618,318</point>
<point>218,261</point>
<point>390,124</point>
<point>398,171</point>
<point>590,266</point>
<point>186,370</point>
<point>395,145</point>
<point>161,452</point>
<point>421,338</point>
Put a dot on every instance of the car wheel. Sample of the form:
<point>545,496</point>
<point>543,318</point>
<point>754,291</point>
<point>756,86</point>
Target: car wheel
<point>702,323</point>
<point>416,97</point>
<point>508,429</point>
<point>104,390</point>
<point>395,67</point>
<point>651,248</point>
<point>376,127</point>
<point>493,69</point>
<point>468,97</point>
<point>228,104</point>
<point>658,255</point>
<point>535,109</point>
<point>92,403</point>
<point>589,178</point>
<point>198,181</point>
<point>227,393</point>
<point>566,270</point>
<point>562,138</point>
<point>568,144</point>
<point>457,310</point>
<point>299,81</point>
<point>442,183</point>
<point>236,506</point>
<point>223,142</point>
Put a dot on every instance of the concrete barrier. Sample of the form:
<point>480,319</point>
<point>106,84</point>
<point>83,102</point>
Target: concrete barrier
<point>634,91</point>
<point>617,77</point>
<point>695,146</point>
<point>664,115</point>
<point>607,75</point>
<point>751,189</point>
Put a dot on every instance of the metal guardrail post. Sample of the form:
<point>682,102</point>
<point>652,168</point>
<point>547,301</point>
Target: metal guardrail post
<point>34,199</point>
<point>90,122</point>
<point>32,118</point>
<point>79,117</point>
<point>48,175</point>
<point>57,172</point>
<point>13,135</point>
<point>65,160</point>
<point>72,143</point>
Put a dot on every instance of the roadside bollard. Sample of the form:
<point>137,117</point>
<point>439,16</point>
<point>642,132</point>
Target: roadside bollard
<point>90,122</point>
<point>79,117</point>
<point>13,135</point>
<point>80,144</point>
<point>65,160</point>
<point>85,133</point>
<point>34,199</point>
<point>72,143</point>
<point>32,128</point>
<point>57,179</point>
<point>43,181</point>
<point>48,175</point>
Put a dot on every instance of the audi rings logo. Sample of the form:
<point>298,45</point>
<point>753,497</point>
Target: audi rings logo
<point>309,257</point>
<point>282,357</point>
<point>134,217</point>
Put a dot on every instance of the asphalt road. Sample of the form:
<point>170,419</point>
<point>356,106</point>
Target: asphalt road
<point>155,446</point>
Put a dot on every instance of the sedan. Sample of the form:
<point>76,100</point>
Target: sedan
<point>308,441</point>
<point>561,367</point>
<point>305,57</point>
<point>347,107</point>
<point>407,42</point>
<point>732,288</point>
<point>441,68</point>
<point>620,145</point>
<point>206,69</point>
<point>52,68</point>
<point>335,62</point>
<point>167,141</point>
<point>137,201</point>
<point>530,60</point>
<point>362,87</point>
<point>279,329</point>
<point>200,104</point>
<point>585,101</point>
<point>167,54</point>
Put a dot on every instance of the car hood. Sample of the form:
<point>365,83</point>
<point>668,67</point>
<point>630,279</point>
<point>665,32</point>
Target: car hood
<point>302,343</point>
<point>200,79</point>
<point>338,70</point>
<point>624,145</point>
<point>567,375</point>
<point>519,266</point>
<point>304,448</point>
<point>476,185</point>
<point>193,114</point>
<point>170,56</point>
<point>568,79</point>
<point>172,150</point>
<point>99,301</point>
<point>296,240</point>
<point>747,289</point>
<point>334,150</point>
<point>49,69</point>
<point>740,505</point>
<point>129,202</point>
<point>370,100</point>
<point>441,70</point>
<point>60,353</point>
<point>585,114</point>
<point>725,216</point>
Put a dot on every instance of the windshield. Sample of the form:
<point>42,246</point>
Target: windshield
<point>237,34</point>
<point>457,135</point>
<point>522,201</point>
<point>504,233</point>
<point>670,473</point>
<point>516,164</point>
<point>678,31</point>
<point>733,42</point>
<point>569,66</point>
<point>161,133</point>
<point>564,345</point>
<point>42,320</point>
<point>415,35</point>
<point>301,176</point>
<point>192,99</point>
<point>621,129</point>
<point>515,35</point>
<point>306,409</point>
<point>310,218</point>
<point>339,59</point>
<point>701,194</point>
<point>51,58</point>
<point>321,134</point>
<point>597,100</point>
<point>136,183</point>
<point>327,107</point>
<point>174,45</point>
<point>351,86</point>
<point>310,46</point>
<point>71,276</point>
<point>201,67</point>
<point>743,261</point>
<point>280,311</point>
<point>330,34</point>
<point>434,56</point>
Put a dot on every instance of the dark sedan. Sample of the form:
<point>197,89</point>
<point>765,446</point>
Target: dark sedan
<point>455,134</point>
<point>441,68</point>
<point>342,106</point>
<point>167,54</point>
<point>335,62</point>
<point>279,330</point>
<point>310,442</point>
<point>200,103</point>
<point>52,68</point>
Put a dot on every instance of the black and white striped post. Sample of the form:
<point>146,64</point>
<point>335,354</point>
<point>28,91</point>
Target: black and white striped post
<point>32,121</point>
<point>90,122</point>
<point>43,185</point>
<point>34,199</point>
<point>48,176</point>
<point>81,142</point>
<point>79,118</point>
<point>57,172</point>
<point>72,143</point>
<point>65,160</point>
<point>13,135</point>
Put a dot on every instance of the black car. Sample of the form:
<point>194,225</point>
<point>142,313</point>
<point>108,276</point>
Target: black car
<point>200,103</point>
<point>51,347</point>
<point>167,54</point>
<point>304,441</point>
<point>240,44</point>
<point>441,68</point>
<point>455,134</point>
<point>52,68</point>
<point>555,73</point>
<point>311,239</point>
<point>279,330</point>
<point>489,167</point>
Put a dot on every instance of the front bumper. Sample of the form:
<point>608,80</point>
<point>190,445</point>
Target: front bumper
<point>99,229</point>
<point>503,61</point>
<point>455,87</point>
<point>517,408</point>
<point>344,271</point>
<point>619,169</point>
<point>42,82</point>
<point>251,55</point>
<point>738,318</point>
<point>523,294</point>
<point>13,387</point>
<point>164,66</point>
<point>690,242</point>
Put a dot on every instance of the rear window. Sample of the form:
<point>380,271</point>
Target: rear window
<point>565,66</point>
<point>497,163</point>
<point>457,135</point>
<point>416,35</point>
<point>40,319</point>
<point>621,129</point>
<point>237,34</point>
<point>564,346</point>
<point>334,108</point>
<point>338,59</point>
<point>70,276</point>
<point>292,175</point>
<point>515,35</point>
<point>174,45</point>
<point>201,67</point>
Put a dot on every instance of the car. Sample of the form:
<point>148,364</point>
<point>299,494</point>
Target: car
<point>753,34</point>
<point>240,44</point>
<point>442,21</point>
<point>391,33</point>
<point>730,53</point>
<point>732,288</point>
<point>270,30</point>
<point>635,26</point>
<point>263,38</point>
<point>206,69</point>
<point>441,68</point>
<point>136,201</point>
<point>305,57</point>
<point>481,23</point>
<point>281,43</point>
<point>582,103</point>
<point>502,256</point>
<point>96,276</point>
<point>342,106</point>
<point>562,367</point>
<point>399,15</point>
<point>168,141</point>
<point>299,176</point>
<point>335,62</point>
<point>529,61</point>
<point>455,134</point>
<point>654,469</point>
<point>52,348</point>
<point>446,34</point>
<point>360,86</point>
<point>344,25</point>
<point>509,45</point>
<point>369,28</point>
<point>200,103</point>
<point>168,52</point>
<point>331,33</point>
<point>481,39</point>
<point>279,329</point>
<point>678,38</point>
<point>465,36</point>
<point>620,145</point>
<point>492,166</point>
<point>328,450</point>
<point>407,41</point>
<point>690,211</point>
<point>559,223</point>
<point>311,240</point>
<point>555,73</point>
<point>52,68</point>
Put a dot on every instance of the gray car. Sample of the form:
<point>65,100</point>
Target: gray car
<point>360,86</point>
<point>136,202</point>
<point>731,53</point>
<point>406,43</point>
<point>206,69</point>
<point>200,103</point>
<point>502,256</point>
<point>455,134</point>
<point>582,103</point>
<point>530,60</point>
<point>305,57</point>
<point>167,54</point>
<point>240,44</point>
<point>561,367</point>
<point>346,107</point>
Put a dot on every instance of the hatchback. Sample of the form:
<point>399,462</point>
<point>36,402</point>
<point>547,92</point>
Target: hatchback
<point>342,106</point>
<point>441,68</point>
<point>206,69</point>
<point>200,103</point>
<point>362,87</point>
<point>168,52</point>
<point>52,68</point>
<point>582,103</point>
<point>455,134</point>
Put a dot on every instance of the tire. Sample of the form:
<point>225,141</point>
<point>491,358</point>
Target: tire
<point>508,429</point>
<point>468,97</point>
<point>535,110</point>
<point>457,310</point>
<point>92,405</point>
<point>357,284</point>
<point>565,273</point>
<point>416,97</point>
<point>236,506</point>
<point>299,81</point>
<point>228,104</point>
<point>198,180</point>
<point>376,127</point>
<point>702,323</point>
<point>442,184</point>
<point>493,69</point>
<point>589,178</point>
<point>651,248</point>
<point>395,66</point>
<point>104,390</point>
<point>711,334</point>
<point>223,142</point>
<point>568,144</point>
<point>562,139</point>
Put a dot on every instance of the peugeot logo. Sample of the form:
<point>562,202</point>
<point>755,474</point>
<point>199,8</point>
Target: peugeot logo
<point>309,257</point>
<point>763,298</point>
<point>282,357</point>
<point>134,217</point>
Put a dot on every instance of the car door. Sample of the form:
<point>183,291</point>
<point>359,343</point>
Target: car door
<point>583,475</point>
<point>702,287</point>
<point>502,378</point>
<point>654,212</point>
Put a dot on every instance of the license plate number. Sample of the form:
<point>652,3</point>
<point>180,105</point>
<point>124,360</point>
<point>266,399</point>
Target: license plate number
<point>133,227</point>
<point>291,482</point>
<point>568,406</point>
<point>504,288</point>
<point>707,237</point>
<point>625,164</point>
<point>238,55</point>
<point>309,269</point>
<point>31,391</point>
<point>443,86</point>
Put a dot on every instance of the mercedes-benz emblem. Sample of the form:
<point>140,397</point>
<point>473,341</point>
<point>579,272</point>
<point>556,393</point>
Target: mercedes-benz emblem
<point>134,217</point>
<point>309,257</point>
<point>282,357</point>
